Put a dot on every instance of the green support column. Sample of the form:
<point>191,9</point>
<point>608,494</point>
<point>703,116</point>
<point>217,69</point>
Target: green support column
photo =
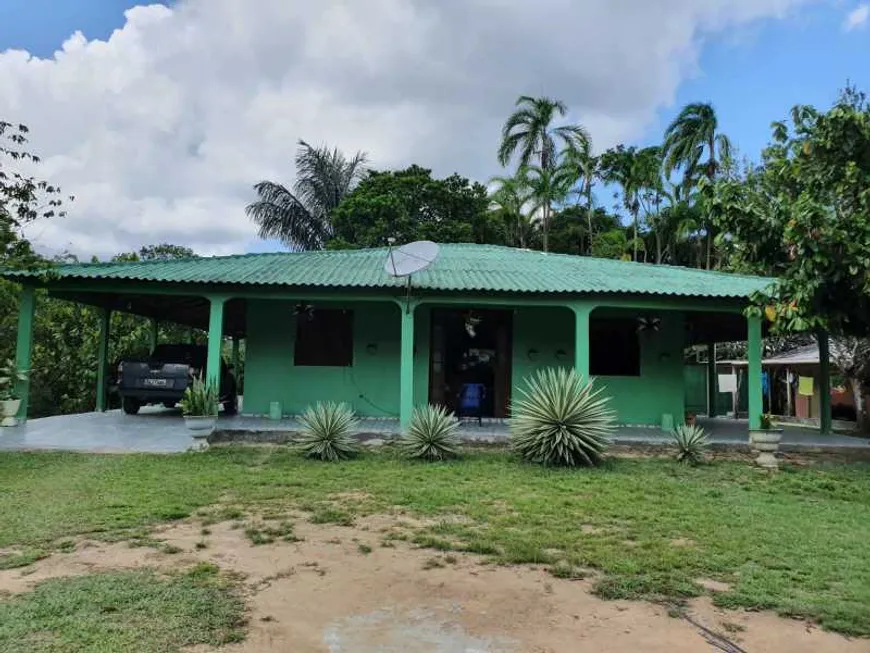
<point>215,340</point>
<point>152,335</point>
<point>581,339</point>
<point>103,359</point>
<point>754,351</point>
<point>824,384</point>
<point>711,379</point>
<point>406,366</point>
<point>24,345</point>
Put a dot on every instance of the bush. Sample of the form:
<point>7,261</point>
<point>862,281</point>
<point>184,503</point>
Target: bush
<point>200,399</point>
<point>560,419</point>
<point>327,432</point>
<point>431,434</point>
<point>691,442</point>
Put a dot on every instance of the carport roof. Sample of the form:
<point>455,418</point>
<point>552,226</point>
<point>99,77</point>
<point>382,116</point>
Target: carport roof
<point>459,267</point>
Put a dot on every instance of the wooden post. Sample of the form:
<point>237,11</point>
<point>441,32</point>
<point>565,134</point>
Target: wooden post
<point>825,384</point>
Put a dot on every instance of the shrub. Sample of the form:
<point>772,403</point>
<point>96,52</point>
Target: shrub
<point>200,399</point>
<point>431,434</point>
<point>560,419</point>
<point>691,442</point>
<point>327,432</point>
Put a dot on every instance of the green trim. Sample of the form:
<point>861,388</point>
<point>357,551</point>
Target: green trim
<point>105,318</point>
<point>406,366</point>
<point>581,337</point>
<point>24,345</point>
<point>711,379</point>
<point>215,339</point>
<point>754,353</point>
<point>824,384</point>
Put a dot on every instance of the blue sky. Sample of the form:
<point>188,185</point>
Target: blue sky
<point>139,127</point>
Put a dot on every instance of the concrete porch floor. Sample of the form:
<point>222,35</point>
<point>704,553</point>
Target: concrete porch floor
<point>161,430</point>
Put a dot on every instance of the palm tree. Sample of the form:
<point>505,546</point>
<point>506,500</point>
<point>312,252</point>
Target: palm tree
<point>548,186</point>
<point>622,165</point>
<point>301,219</point>
<point>509,197</point>
<point>529,130</point>
<point>578,156</point>
<point>687,138</point>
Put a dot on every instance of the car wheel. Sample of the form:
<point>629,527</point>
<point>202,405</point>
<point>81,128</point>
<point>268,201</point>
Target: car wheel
<point>131,405</point>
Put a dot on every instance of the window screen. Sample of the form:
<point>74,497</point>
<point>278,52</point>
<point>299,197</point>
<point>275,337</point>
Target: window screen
<point>614,348</point>
<point>324,338</point>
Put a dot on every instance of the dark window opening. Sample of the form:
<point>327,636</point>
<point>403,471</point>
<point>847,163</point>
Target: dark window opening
<point>324,338</point>
<point>614,348</point>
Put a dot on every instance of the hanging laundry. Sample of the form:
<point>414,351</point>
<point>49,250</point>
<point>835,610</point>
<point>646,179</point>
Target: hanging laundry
<point>765,383</point>
<point>727,383</point>
<point>805,386</point>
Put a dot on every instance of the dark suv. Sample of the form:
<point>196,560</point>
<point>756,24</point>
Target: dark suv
<point>164,376</point>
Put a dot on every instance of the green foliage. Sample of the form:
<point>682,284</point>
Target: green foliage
<point>124,611</point>
<point>766,422</point>
<point>431,434</point>
<point>200,399</point>
<point>410,205</point>
<point>691,442</point>
<point>328,431</point>
<point>10,375</point>
<point>560,419</point>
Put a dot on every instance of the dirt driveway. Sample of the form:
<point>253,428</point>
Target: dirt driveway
<point>340,590</point>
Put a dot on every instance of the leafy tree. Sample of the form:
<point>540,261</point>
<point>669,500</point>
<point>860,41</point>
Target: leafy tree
<point>547,186</point>
<point>586,168</point>
<point>302,219</point>
<point>570,233</point>
<point>410,205</point>
<point>508,201</point>
<point>692,133</point>
<point>627,168</point>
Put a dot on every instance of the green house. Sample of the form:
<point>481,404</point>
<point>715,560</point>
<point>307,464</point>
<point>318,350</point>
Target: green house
<point>333,325</point>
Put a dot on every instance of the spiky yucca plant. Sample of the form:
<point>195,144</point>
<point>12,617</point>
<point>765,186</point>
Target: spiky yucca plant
<point>431,434</point>
<point>691,442</point>
<point>327,431</point>
<point>561,419</point>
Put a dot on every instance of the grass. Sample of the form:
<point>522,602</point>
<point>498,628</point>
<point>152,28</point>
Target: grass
<point>123,611</point>
<point>794,542</point>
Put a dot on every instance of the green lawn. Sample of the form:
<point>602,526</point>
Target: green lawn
<point>795,542</point>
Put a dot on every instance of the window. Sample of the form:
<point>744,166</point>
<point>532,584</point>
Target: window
<point>614,348</point>
<point>324,338</point>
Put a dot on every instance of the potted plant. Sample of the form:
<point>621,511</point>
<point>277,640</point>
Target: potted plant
<point>10,401</point>
<point>765,440</point>
<point>199,405</point>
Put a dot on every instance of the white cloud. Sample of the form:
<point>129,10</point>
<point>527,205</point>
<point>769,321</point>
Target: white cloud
<point>161,130</point>
<point>857,17</point>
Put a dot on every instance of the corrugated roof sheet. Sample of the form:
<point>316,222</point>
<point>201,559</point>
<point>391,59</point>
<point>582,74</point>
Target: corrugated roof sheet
<point>459,267</point>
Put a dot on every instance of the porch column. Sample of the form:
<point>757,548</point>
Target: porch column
<point>105,316</point>
<point>215,340</point>
<point>152,335</point>
<point>24,345</point>
<point>581,338</point>
<point>824,383</point>
<point>753,355</point>
<point>711,379</point>
<point>406,365</point>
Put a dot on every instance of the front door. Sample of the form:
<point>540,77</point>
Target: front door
<point>470,361</point>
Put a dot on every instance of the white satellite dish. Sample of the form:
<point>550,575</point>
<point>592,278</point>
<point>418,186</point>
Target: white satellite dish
<point>414,257</point>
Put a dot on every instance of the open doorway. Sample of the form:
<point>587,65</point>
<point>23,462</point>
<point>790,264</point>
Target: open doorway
<point>471,356</point>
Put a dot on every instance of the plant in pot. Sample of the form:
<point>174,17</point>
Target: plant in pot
<point>765,440</point>
<point>10,402</point>
<point>199,405</point>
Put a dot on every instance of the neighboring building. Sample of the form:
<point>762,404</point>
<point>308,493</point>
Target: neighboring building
<point>332,325</point>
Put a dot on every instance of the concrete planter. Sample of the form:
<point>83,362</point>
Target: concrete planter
<point>766,443</point>
<point>10,408</point>
<point>200,426</point>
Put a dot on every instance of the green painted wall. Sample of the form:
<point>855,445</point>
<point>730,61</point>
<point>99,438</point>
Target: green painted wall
<point>371,385</point>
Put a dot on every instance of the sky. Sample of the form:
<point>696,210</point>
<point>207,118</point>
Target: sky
<point>159,118</point>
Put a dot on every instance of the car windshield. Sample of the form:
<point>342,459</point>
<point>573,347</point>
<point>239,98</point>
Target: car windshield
<point>194,355</point>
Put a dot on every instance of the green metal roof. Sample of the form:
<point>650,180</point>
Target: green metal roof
<point>459,267</point>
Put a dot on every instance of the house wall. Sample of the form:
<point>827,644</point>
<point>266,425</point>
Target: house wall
<point>543,337</point>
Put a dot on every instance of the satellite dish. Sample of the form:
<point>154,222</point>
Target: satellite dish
<point>406,260</point>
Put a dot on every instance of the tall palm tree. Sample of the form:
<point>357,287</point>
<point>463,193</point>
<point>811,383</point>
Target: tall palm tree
<point>529,129</point>
<point>693,133</point>
<point>301,218</point>
<point>548,186</point>
<point>510,196</point>
<point>623,166</point>
<point>578,156</point>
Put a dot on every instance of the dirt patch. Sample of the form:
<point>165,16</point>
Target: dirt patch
<point>713,585</point>
<point>682,542</point>
<point>339,590</point>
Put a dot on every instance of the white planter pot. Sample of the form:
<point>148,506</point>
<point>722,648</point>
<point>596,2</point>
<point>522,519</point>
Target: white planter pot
<point>766,443</point>
<point>10,411</point>
<point>201,426</point>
